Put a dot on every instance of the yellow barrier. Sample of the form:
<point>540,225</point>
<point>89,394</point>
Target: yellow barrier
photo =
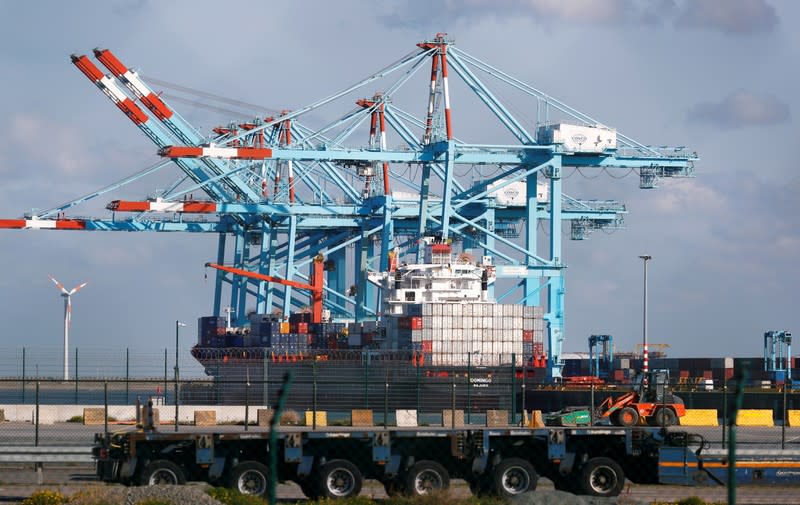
<point>700,417</point>
<point>793,417</point>
<point>322,418</point>
<point>753,417</point>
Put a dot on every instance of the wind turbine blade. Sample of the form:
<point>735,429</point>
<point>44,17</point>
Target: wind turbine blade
<point>77,288</point>
<point>59,285</point>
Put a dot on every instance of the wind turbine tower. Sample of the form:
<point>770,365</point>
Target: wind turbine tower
<point>67,319</point>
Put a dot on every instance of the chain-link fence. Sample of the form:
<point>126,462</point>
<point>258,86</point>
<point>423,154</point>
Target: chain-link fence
<point>329,393</point>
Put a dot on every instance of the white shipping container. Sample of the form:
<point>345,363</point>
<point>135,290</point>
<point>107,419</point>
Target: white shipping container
<point>576,138</point>
<point>512,194</point>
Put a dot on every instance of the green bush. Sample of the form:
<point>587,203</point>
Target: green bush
<point>45,498</point>
<point>75,419</point>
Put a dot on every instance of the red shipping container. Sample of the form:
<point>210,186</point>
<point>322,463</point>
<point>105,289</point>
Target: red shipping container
<point>302,328</point>
<point>427,346</point>
<point>728,373</point>
<point>708,374</point>
<point>416,323</point>
<point>538,348</point>
<point>684,374</point>
<point>527,335</point>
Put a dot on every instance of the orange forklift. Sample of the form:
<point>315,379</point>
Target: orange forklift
<point>650,401</point>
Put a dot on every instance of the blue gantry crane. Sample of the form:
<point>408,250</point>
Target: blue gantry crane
<point>284,191</point>
<point>778,355</point>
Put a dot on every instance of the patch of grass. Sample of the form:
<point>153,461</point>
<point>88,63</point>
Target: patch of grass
<point>689,500</point>
<point>155,501</point>
<point>232,497</point>
<point>92,496</point>
<point>45,498</point>
<point>75,419</point>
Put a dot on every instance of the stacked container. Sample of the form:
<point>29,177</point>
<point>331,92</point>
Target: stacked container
<point>211,331</point>
<point>461,334</point>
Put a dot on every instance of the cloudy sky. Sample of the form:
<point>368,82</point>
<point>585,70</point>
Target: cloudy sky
<point>718,76</point>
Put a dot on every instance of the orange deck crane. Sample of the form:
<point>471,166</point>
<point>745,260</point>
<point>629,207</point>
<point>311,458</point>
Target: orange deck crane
<point>315,287</point>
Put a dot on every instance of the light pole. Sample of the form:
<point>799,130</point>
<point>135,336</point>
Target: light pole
<point>178,325</point>
<point>645,365</point>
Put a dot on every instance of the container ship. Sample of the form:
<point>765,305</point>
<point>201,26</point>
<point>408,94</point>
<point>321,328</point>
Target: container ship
<point>441,340</point>
<point>438,323</point>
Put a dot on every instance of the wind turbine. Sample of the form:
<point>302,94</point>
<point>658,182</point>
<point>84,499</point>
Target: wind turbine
<point>67,319</point>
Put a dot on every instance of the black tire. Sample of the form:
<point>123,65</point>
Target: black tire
<point>250,477</point>
<point>426,477</point>
<point>627,416</point>
<point>162,472</point>
<point>338,478</point>
<point>514,476</point>
<point>601,477</point>
<point>665,417</point>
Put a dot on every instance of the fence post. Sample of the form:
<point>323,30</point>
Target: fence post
<point>273,438</point>
<point>247,402</point>
<point>785,418</point>
<point>38,465</point>
<point>165,377</point>
<point>105,407</point>
<point>314,396</point>
<point>127,374</point>
<point>386,401</point>
<point>452,406</point>
<point>365,356</point>
<point>23,375</point>
<point>740,381</point>
<point>36,424</point>
<point>76,376</point>
<point>724,410</point>
<point>469,386</point>
<point>524,377</point>
<point>513,389</point>
<point>265,396</point>
<point>418,384</point>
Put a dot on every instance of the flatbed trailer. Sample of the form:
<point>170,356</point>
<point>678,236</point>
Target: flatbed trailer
<point>333,462</point>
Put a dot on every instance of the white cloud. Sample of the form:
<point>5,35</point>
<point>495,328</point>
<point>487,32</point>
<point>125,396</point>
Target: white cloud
<point>56,148</point>
<point>739,17</point>
<point>741,108</point>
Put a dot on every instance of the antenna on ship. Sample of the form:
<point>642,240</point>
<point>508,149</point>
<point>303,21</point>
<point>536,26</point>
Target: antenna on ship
<point>67,319</point>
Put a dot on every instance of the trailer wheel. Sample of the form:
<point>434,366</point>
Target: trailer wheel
<point>627,417</point>
<point>514,476</point>
<point>601,477</point>
<point>250,477</point>
<point>338,478</point>
<point>426,477</point>
<point>162,472</point>
<point>665,417</point>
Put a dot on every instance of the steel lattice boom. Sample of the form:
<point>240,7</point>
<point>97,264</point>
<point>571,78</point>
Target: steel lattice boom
<point>286,192</point>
